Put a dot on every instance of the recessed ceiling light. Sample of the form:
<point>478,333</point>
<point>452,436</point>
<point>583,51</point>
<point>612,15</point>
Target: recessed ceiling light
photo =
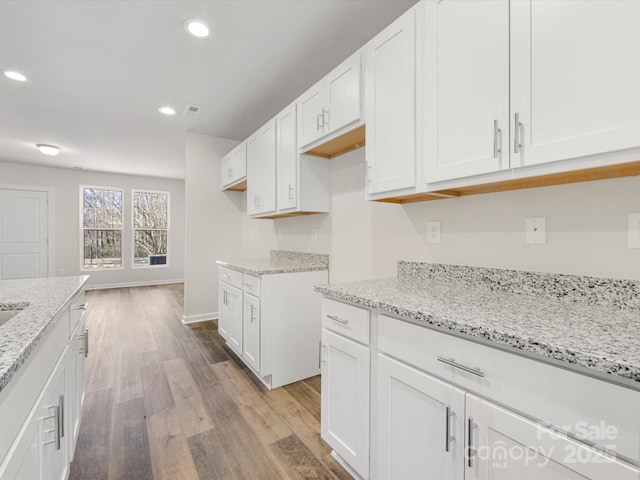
<point>48,149</point>
<point>15,76</point>
<point>197,28</point>
<point>167,110</point>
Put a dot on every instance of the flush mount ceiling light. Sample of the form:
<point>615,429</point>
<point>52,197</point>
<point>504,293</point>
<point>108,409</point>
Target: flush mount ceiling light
<point>48,149</point>
<point>15,76</point>
<point>197,28</point>
<point>167,110</point>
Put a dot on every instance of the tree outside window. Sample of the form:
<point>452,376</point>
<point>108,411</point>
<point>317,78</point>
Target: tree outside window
<point>150,228</point>
<point>102,227</point>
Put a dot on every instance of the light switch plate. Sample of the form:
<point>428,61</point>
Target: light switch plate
<point>536,230</point>
<point>433,232</point>
<point>634,230</point>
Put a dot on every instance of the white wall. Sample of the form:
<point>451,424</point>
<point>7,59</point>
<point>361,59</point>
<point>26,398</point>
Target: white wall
<point>213,224</point>
<point>586,228</point>
<point>65,241</point>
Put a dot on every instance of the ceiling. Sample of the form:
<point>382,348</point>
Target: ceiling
<point>99,70</point>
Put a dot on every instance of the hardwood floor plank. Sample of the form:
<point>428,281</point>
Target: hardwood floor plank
<point>130,454</point>
<point>307,396</point>
<point>155,386</point>
<point>91,458</point>
<point>170,454</point>
<point>188,398</point>
<point>300,462</point>
<point>262,419</point>
<point>314,383</point>
<point>211,350</point>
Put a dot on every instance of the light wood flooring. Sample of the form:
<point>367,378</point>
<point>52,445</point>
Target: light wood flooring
<point>169,401</point>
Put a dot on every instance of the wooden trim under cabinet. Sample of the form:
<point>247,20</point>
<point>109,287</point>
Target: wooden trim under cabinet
<point>344,143</point>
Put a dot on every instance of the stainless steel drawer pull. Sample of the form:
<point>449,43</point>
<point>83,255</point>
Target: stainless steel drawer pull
<point>448,437</point>
<point>337,319</point>
<point>80,307</point>
<point>224,275</point>
<point>453,363</point>
<point>250,285</point>
<point>517,142</point>
<point>471,452</point>
<point>497,140</point>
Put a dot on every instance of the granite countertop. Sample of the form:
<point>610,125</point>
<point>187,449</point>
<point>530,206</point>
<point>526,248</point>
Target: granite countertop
<point>280,261</point>
<point>593,332</point>
<point>40,299</point>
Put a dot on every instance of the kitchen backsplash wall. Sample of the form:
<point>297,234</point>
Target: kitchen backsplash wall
<point>586,229</point>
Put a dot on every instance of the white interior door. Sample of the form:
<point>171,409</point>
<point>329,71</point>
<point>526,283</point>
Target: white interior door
<point>23,234</point>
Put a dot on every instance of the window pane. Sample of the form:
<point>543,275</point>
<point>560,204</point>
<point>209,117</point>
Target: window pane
<point>150,247</point>
<point>150,210</point>
<point>102,208</point>
<point>102,248</point>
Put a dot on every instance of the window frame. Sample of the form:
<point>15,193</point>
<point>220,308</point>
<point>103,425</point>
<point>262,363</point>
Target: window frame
<point>82,229</point>
<point>133,229</point>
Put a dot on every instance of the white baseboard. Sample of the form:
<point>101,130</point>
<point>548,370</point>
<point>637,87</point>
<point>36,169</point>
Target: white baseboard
<point>133,284</point>
<point>201,317</point>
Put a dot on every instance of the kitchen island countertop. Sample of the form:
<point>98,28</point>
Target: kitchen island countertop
<point>39,300</point>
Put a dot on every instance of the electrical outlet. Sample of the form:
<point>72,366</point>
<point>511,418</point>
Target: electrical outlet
<point>536,230</point>
<point>433,232</point>
<point>634,230</point>
<point>314,234</point>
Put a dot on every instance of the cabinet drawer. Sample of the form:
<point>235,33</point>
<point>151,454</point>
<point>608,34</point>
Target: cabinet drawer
<point>251,284</point>
<point>352,322</point>
<point>576,403</point>
<point>232,277</point>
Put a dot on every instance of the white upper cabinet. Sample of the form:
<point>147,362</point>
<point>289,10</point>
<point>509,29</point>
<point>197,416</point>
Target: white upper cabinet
<point>574,78</point>
<point>287,159</point>
<point>390,105</point>
<point>332,105</point>
<point>234,169</point>
<point>466,88</point>
<point>261,171</point>
<point>511,84</point>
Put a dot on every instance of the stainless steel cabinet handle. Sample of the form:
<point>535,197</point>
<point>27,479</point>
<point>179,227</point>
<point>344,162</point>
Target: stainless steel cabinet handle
<point>61,416</point>
<point>471,452</point>
<point>320,347</point>
<point>86,342</point>
<point>369,169</point>
<point>224,275</point>
<point>80,307</point>
<point>253,309</point>
<point>448,437</point>
<point>250,285</point>
<point>291,192</point>
<point>517,143</point>
<point>325,121</point>
<point>337,319</point>
<point>497,140</point>
<point>319,121</point>
<point>56,426</point>
<point>453,363</point>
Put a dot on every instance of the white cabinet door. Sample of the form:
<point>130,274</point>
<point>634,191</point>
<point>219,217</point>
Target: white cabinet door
<point>234,305</point>
<point>506,446</point>
<point>466,88</point>
<point>53,437</point>
<point>390,106</point>
<point>261,170</point>
<point>310,123</point>
<point>251,334</point>
<point>287,159</point>
<point>78,351</point>
<point>343,97</point>
<point>239,162</point>
<point>575,76</point>
<point>345,399</point>
<point>420,423</point>
<point>223,311</point>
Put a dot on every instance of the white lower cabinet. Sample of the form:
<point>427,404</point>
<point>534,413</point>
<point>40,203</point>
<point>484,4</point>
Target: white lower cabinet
<point>251,331</point>
<point>40,409</point>
<point>345,399</point>
<point>420,424</point>
<point>504,445</point>
<point>444,407</point>
<point>269,322</point>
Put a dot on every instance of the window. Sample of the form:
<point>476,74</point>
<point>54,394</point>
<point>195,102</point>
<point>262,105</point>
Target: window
<point>150,228</point>
<point>101,227</point>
